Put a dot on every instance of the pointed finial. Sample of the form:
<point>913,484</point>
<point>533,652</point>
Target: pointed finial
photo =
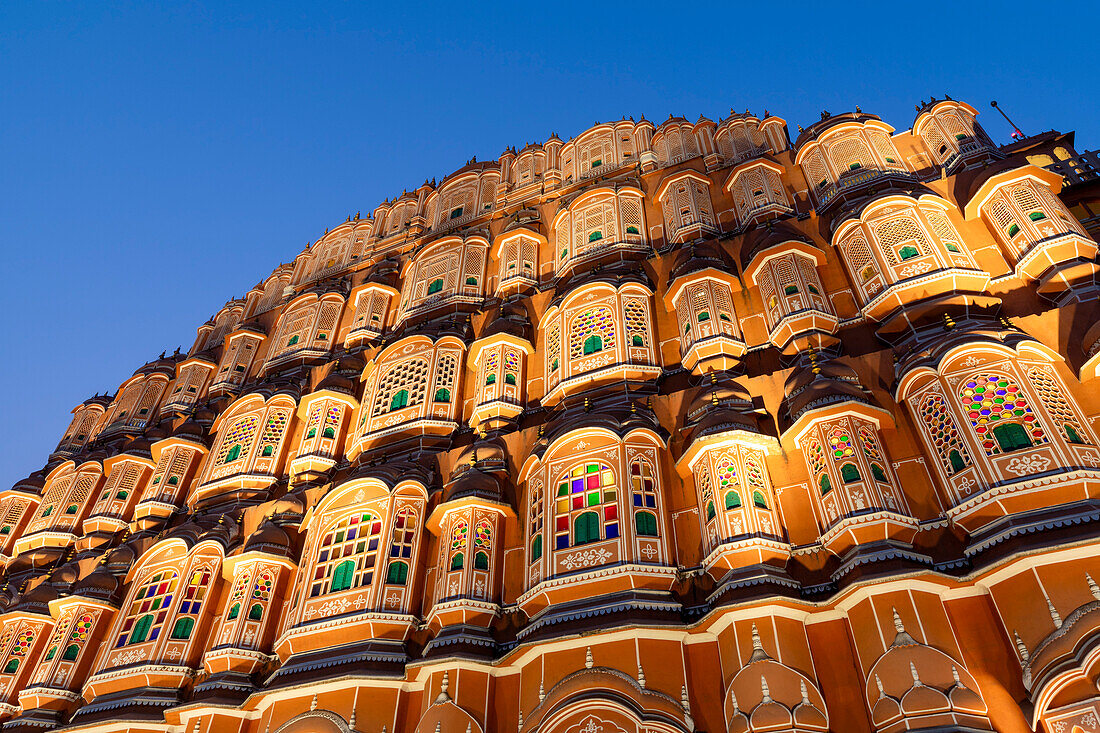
<point>469,727</point>
<point>1093,588</point>
<point>444,685</point>
<point>542,691</point>
<point>948,322</point>
<point>898,626</point>
<point>588,657</point>
<point>1053,612</point>
<point>913,671</point>
<point>955,676</point>
<point>438,726</point>
<point>1021,648</point>
<point>758,652</point>
<point>764,689</point>
<point>313,702</point>
<point>805,693</point>
<point>520,721</point>
<point>733,700</point>
<point>641,676</point>
<point>878,682</point>
<point>351,720</point>
<point>587,404</point>
<point>858,110</point>
<point>684,702</point>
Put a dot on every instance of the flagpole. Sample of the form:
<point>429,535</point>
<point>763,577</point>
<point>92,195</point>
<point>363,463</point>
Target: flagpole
<point>1016,134</point>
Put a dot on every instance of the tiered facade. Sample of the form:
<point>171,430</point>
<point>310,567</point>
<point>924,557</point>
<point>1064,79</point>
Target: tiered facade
<point>665,428</point>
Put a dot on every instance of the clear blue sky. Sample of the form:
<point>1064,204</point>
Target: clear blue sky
<point>157,158</point>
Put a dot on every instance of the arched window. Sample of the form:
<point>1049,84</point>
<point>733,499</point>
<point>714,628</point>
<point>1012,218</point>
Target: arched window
<point>733,500</point>
<point>645,524</point>
<point>400,399</point>
<point>343,575</point>
<point>11,667</point>
<point>234,611</point>
<point>460,534</point>
<point>586,528</point>
<point>536,548</point>
<point>443,395</point>
<point>141,628</point>
<point>825,484</point>
<point>483,544</point>
<point>587,489</point>
<point>435,286</point>
<point>182,628</point>
<point>940,427</point>
<point>592,331</point>
<point>644,494</point>
<point>758,500</point>
<point>71,652</point>
<point>149,608</point>
<point>849,472</point>
<point>346,554</point>
<point>397,573</point>
<point>261,594</point>
<point>993,402</point>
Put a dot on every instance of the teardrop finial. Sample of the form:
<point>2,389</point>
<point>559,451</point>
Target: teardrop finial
<point>758,653</point>
<point>764,689</point>
<point>1093,588</point>
<point>1021,648</point>
<point>913,671</point>
<point>1054,616</point>
<point>733,700</point>
<point>444,685</point>
<point>313,703</point>
<point>878,683</point>
<point>588,657</point>
<point>641,676</point>
<point>898,626</point>
<point>805,693</point>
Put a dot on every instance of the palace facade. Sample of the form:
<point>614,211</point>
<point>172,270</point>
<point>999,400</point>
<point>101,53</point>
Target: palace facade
<point>660,429</point>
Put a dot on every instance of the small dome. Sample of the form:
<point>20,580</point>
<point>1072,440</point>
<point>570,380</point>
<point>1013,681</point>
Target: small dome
<point>720,404</point>
<point>100,583</point>
<point>386,273</point>
<point>967,701</point>
<point>922,700</point>
<point>337,383</point>
<point>511,318</point>
<point>269,539</point>
<point>65,575</point>
<point>191,430</point>
<point>770,234</point>
<point>698,256</point>
<point>811,387</point>
<point>292,503</point>
<point>480,471</point>
<point>885,710</point>
<point>37,599</point>
<point>770,715</point>
<point>121,559</point>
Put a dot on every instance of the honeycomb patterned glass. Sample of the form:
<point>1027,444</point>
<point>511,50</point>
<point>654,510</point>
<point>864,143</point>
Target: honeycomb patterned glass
<point>942,432</point>
<point>841,443</point>
<point>993,399</point>
<point>593,322</point>
<point>153,597</point>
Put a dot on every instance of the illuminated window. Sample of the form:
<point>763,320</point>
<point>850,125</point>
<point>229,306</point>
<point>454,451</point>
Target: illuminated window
<point>588,490</point>
<point>347,553</point>
<point>149,608</point>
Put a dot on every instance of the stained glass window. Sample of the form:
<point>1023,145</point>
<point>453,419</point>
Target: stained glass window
<point>991,400</point>
<point>149,608</point>
<point>589,487</point>
<point>460,534</point>
<point>354,539</point>
<point>593,330</point>
<point>841,443</point>
<point>945,437</point>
